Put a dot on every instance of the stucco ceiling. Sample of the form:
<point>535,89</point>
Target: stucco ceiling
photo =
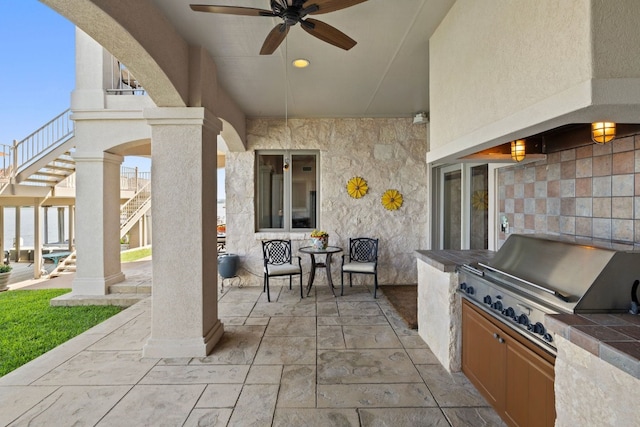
<point>385,75</point>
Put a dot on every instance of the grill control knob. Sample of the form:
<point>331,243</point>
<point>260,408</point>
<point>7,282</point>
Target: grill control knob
<point>509,312</point>
<point>523,320</point>
<point>470,290</point>
<point>497,305</point>
<point>538,328</point>
<point>463,286</point>
<point>487,299</point>
<point>547,337</point>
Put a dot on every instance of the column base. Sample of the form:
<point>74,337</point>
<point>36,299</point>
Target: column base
<point>184,347</point>
<point>95,286</point>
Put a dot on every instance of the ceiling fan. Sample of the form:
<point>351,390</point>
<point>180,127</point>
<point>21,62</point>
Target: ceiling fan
<point>293,12</point>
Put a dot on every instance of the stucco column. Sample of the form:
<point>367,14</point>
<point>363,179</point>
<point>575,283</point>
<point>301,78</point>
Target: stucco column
<point>97,223</point>
<point>183,180</point>
<point>37,239</point>
<point>72,222</point>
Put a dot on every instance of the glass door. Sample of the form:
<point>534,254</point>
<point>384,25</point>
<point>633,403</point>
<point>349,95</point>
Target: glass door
<point>479,207</point>
<point>451,207</point>
<point>462,200</point>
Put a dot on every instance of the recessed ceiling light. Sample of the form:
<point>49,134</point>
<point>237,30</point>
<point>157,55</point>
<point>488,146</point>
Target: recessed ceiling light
<point>301,63</point>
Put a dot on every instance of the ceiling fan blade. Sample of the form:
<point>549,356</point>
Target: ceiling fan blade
<point>231,10</point>
<point>327,33</point>
<point>273,40</point>
<point>326,6</point>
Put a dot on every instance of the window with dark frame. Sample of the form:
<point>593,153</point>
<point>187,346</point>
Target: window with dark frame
<point>286,190</point>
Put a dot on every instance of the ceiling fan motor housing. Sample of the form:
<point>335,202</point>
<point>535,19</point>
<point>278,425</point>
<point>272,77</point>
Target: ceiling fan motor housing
<point>291,16</point>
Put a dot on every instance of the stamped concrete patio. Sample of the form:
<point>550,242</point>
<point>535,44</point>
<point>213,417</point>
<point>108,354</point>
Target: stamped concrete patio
<point>320,361</point>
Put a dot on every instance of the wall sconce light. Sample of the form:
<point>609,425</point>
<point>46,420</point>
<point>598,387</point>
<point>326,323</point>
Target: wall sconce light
<point>603,132</point>
<point>518,150</point>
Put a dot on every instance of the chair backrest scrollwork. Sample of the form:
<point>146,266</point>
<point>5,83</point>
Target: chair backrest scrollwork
<point>363,249</point>
<point>277,252</point>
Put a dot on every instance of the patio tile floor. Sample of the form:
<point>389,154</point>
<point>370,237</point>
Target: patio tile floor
<point>320,361</point>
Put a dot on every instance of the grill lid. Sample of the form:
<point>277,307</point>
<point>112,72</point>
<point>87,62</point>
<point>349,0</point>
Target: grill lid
<point>573,277</point>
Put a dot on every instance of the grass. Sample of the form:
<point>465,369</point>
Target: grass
<point>29,326</point>
<point>135,254</point>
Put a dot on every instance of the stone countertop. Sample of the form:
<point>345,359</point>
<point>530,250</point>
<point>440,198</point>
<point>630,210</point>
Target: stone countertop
<point>614,338</point>
<point>447,260</point>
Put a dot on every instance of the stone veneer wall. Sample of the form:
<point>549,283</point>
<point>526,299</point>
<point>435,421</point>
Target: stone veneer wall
<point>592,392</point>
<point>388,153</point>
<point>586,193</point>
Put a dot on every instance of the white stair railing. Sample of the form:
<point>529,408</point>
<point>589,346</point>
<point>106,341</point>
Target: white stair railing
<point>134,207</point>
<point>43,140</point>
<point>6,163</point>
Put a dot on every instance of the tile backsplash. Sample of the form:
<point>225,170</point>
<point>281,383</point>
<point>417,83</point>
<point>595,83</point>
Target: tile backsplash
<point>590,193</point>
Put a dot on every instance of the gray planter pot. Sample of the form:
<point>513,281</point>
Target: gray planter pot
<point>4,281</point>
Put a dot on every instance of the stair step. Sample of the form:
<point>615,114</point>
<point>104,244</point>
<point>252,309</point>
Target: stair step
<point>61,168</point>
<point>130,288</point>
<point>42,181</point>
<point>66,160</point>
<point>120,300</point>
<point>52,174</point>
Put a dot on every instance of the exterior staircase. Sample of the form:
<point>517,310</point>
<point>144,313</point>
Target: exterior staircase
<point>42,161</point>
<point>135,208</point>
<point>130,212</point>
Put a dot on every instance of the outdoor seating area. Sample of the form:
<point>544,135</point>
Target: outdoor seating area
<point>320,360</point>
<point>279,260</point>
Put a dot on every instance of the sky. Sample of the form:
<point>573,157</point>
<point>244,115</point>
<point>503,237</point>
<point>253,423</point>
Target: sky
<point>37,72</point>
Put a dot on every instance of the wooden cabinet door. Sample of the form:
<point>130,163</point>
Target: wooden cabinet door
<point>483,356</point>
<point>530,399</point>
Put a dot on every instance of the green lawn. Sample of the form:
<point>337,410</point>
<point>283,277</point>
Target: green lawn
<point>135,254</point>
<point>29,326</point>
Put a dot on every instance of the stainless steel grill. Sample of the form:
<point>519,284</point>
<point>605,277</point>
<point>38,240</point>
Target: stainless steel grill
<point>531,276</point>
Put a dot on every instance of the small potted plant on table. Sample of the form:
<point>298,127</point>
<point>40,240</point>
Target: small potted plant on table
<point>319,239</point>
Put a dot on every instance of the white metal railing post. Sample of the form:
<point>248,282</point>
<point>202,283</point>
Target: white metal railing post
<point>14,159</point>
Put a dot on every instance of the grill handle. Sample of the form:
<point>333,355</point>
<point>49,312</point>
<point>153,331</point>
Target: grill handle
<point>560,295</point>
<point>471,269</point>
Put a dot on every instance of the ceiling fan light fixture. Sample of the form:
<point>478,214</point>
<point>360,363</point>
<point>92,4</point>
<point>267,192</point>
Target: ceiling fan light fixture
<point>301,63</point>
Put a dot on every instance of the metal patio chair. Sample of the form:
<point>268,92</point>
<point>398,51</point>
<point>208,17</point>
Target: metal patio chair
<point>361,259</point>
<point>278,261</point>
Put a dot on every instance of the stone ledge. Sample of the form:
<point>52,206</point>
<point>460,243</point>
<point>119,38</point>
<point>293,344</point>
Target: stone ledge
<point>120,300</point>
<point>123,288</point>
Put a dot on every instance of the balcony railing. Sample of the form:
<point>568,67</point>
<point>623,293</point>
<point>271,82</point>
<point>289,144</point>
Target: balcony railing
<point>132,179</point>
<point>122,81</point>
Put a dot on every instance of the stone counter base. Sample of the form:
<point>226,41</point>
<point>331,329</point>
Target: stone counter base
<point>591,392</point>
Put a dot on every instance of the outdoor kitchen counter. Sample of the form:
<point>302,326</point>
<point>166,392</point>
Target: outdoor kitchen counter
<point>597,370</point>
<point>613,338</point>
<point>439,307</point>
<point>447,260</point>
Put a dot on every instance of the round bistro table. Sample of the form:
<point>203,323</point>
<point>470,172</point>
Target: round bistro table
<point>328,252</point>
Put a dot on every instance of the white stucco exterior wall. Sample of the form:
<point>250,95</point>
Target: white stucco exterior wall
<point>616,41</point>
<point>506,70</point>
<point>483,53</point>
<point>496,46</point>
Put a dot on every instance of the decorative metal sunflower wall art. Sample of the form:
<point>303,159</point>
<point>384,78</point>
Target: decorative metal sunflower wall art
<point>392,200</point>
<point>480,200</point>
<point>357,187</point>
